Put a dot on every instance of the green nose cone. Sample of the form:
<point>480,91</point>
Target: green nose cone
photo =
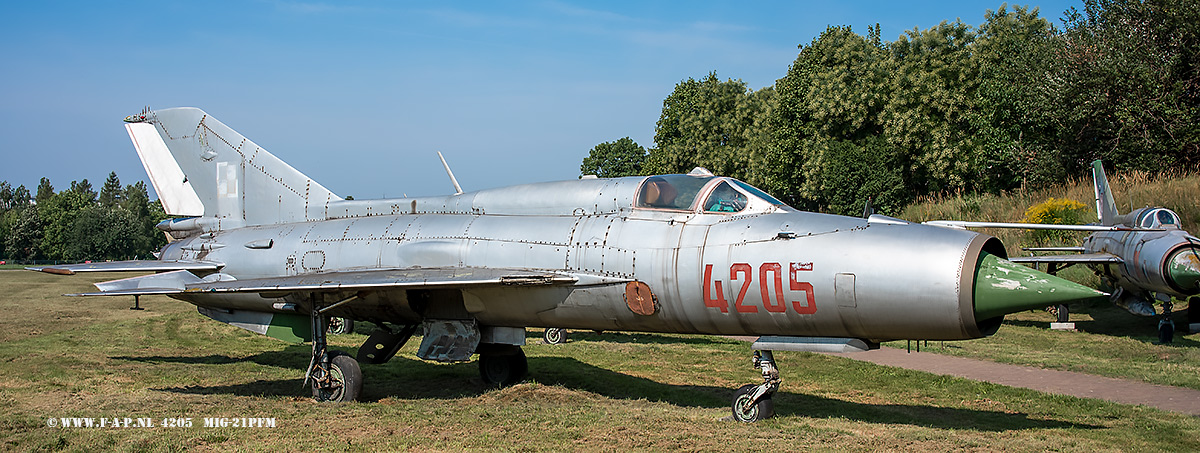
<point>1184,268</point>
<point>1003,287</point>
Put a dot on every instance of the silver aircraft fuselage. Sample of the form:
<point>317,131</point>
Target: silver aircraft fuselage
<point>767,270</point>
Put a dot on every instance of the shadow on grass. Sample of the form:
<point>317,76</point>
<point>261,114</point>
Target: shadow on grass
<point>290,357</point>
<point>410,378</point>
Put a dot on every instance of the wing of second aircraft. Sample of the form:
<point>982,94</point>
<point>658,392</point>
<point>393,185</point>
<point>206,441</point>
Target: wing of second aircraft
<point>1032,226</point>
<point>1083,258</point>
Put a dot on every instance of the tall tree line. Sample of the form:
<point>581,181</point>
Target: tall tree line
<point>1015,102</point>
<point>78,223</point>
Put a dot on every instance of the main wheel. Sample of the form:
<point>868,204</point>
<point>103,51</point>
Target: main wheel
<point>1193,315</point>
<point>555,335</point>
<point>764,408</point>
<point>1166,331</point>
<point>340,326</point>
<point>345,383</point>
<point>1064,313</point>
<point>503,368</point>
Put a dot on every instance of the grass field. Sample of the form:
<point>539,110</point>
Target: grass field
<point>1109,342</point>
<point>74,357</point>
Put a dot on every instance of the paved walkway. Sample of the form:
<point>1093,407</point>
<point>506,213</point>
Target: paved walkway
<point>1175,399</point>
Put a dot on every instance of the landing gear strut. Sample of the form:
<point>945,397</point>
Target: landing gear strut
<point>335,375</point>
<point>751,402</point>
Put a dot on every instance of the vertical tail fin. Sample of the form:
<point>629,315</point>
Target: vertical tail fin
<point>200,167</point>
<point>1106,208</point>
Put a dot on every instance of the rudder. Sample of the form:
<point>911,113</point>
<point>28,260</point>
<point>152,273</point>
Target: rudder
<point>1106,208</point>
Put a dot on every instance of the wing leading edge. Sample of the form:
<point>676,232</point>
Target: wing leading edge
<point>386,279</point>
<point>130,266</point>
<point>182,281</point>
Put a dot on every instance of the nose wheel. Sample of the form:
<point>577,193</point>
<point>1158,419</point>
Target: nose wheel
<point>751,402</point>
<point>555,335</point>
<point>340,326</point>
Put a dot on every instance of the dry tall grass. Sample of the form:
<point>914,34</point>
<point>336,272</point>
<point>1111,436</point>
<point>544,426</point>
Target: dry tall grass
<point>1178,191</point>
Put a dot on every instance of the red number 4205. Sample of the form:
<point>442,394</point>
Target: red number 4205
<point>770,282</point>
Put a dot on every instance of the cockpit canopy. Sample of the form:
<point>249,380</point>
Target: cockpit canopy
<point>701,191</point>
<point>1158,218</point>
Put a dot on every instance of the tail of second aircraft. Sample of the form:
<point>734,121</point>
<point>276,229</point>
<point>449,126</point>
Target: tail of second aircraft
<point>200,167</point>
<point>1106,208</point>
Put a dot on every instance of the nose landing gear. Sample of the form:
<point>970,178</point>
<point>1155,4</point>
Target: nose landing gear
<point>751,402</point>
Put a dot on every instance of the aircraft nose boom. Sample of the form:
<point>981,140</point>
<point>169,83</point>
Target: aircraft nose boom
<point>1003,287</point>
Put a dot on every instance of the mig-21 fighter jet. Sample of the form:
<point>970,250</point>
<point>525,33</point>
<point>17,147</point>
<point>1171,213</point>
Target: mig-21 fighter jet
<point>263,247</point>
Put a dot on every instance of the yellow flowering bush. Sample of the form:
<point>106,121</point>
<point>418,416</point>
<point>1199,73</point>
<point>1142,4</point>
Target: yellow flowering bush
<point>1056,211</point>
<point>1059,211</point>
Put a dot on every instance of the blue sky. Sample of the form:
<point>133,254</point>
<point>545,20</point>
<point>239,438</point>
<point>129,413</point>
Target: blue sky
<point>360,94</point>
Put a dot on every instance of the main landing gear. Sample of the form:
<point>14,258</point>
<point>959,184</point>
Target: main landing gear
<point>1166,327</point>
<point>335,375</point>
<point>502,365</point>
<point>751,402</point>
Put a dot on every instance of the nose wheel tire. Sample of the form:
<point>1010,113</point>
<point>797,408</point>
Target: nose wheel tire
<point>555,335</point>
<point>745,411</point>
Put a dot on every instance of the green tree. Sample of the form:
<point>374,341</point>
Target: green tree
<point>23,240</point>
<point>44,191</point>
<point>857,171</point>
<point>84,189</point>
<point>100,232</point>
<point>111,192</point>
<point>6,196</point>
<point>1013,119</point>
<point>1128,81</point>
<point>58,215</point>
<point>830,99</point>
<point>135,199</point>
<point>623,157</point>
<point>13,202</point>
<point>926,119</point>
<point>146,214</point>
<point>712,124</point>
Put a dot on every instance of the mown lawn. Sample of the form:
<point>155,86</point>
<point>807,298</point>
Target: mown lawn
<point>1108,342</point>
<point>76,357</point>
